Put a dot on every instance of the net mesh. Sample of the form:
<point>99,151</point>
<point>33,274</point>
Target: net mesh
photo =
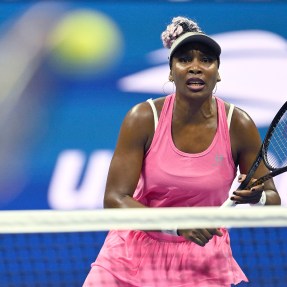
<point>47,259</point>
<point>56,248</point>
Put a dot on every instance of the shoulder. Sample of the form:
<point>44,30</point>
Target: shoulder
<point>244,132</point>
<point>242,121</point>
<point>138,124</point>
<point>244,135</point>
<point>240,118</point>
<point>142,113</point>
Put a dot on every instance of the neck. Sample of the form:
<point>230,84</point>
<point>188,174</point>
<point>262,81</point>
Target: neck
<point>194,111</point>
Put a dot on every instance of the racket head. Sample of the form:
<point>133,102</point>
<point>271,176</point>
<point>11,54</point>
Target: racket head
<point>274,147</point>
<point>273,151</point>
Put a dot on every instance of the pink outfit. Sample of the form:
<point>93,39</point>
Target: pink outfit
<point>173,178</point>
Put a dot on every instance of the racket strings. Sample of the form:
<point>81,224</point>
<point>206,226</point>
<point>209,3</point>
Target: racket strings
<point>276,153</point>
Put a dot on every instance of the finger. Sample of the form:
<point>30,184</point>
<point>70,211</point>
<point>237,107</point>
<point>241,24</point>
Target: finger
<point>237,197</point>
<point>253,191</point>
<point>216,231</point>
<point>240,197</point>
<point>241,177</point>
<point>202,238</point>
<point>207,235</point>
<point>199,236</point>
<point>198,241</point>
<point>249,198</point>
<point>256,188</point>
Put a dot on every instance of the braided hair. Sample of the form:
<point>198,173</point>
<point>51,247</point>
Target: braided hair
<point>178,27</point>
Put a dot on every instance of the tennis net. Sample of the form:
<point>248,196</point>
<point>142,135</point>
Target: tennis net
<point>55,248</point>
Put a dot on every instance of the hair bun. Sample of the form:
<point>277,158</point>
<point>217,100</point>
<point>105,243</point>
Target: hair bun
<point>178,26</point>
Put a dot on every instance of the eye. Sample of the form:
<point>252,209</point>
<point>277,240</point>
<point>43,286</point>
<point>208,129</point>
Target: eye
<point>185,59</point>
<point>207,59</point>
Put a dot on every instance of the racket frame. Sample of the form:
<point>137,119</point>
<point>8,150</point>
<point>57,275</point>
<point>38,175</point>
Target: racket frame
<point>262,155</point>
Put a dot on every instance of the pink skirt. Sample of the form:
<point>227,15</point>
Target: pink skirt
<point>155,259</point>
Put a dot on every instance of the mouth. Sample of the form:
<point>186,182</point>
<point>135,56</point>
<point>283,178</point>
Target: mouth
<point>195,84</point>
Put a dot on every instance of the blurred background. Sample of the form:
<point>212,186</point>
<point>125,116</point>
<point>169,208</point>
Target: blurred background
<point>70,71</point>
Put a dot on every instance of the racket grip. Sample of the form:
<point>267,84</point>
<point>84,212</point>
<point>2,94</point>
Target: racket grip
<point>228,203</point>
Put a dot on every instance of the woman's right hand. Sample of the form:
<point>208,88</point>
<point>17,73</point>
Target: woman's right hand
<point>199,236</point>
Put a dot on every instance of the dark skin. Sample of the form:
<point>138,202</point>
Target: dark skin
<point>194,71</point>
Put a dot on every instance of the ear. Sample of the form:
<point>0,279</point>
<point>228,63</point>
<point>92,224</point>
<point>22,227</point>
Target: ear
<point>170,78</point>
<point>218,77</point>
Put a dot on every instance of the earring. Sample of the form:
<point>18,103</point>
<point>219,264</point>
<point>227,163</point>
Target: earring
<point>168,87</point>
<point>215,89</point>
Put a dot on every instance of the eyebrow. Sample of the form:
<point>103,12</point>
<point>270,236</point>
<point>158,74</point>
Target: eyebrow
<point>201,51</point>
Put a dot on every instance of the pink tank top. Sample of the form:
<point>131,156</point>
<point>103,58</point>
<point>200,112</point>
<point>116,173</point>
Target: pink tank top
<point>172,178</point>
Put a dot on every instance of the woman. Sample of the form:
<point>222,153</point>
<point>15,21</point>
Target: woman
<point>188,159</point>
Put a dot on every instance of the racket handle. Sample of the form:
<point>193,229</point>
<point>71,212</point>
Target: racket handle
<point>228,203</point>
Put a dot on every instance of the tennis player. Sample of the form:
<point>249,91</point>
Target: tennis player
<point>181,150</point>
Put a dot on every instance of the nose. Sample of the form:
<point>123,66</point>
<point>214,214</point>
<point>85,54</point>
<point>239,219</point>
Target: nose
<point>194,71</point>
<point>194,67</point>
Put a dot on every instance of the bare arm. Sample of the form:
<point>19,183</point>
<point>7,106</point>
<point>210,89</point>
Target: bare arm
<point>135,134</point>
<point>246,143</point>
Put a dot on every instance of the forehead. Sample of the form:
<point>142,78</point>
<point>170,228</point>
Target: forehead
<point>189,47</point>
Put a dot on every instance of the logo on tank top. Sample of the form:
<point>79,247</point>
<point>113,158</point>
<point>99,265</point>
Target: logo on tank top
<point>218,160</point>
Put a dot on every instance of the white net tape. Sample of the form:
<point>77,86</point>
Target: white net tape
<point>34,221</point>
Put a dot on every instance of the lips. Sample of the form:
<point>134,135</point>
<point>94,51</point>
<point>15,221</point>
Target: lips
<point>195,84</point>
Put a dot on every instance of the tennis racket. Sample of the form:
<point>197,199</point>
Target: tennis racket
<point>273,153</point>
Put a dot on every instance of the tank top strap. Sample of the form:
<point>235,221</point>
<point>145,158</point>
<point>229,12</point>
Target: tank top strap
<point>162,125</point>
<point>154,111</point>
<point>166,111</point>
<point>222,117</point>
<point>229,116</point>
<point>223,124</point>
